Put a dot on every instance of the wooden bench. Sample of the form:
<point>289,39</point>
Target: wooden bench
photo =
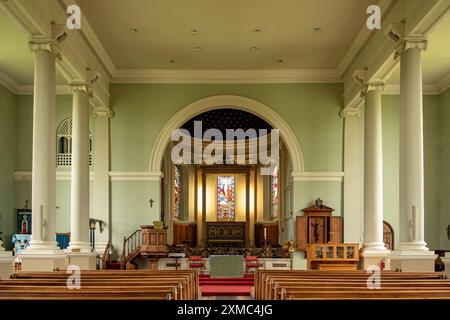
<point>103,285</point>
<point>296,284</point>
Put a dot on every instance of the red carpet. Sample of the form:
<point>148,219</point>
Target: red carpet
<point>226,286</point>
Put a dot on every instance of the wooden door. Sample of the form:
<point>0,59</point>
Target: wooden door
<point>335,229</point>
<point>302,233</point>
<point>388,235</point>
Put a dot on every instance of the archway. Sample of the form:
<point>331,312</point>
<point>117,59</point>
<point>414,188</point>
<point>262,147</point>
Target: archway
<point>227,101</point>
<point>290,143</point>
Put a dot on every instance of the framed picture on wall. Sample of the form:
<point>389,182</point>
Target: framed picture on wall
<point>24,221</point>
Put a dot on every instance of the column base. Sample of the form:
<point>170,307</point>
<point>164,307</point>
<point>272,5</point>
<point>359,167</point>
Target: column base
<point>370,257</point>
<point>100,247</point>
<point>79,246</point>
<point>446,261</point>
<point>43,260</point>
<point>374,246</point>
<point>412,246</point>
<point>6,264</point>
<point>84,260</point>
<point>412,261</point>
<point>46,247</point>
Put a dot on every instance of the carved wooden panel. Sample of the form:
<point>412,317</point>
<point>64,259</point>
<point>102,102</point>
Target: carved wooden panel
<point>271,234</point>
<point>302,229</point>
<point>335,229</point>
<point>185,233</point>
<point>388,235</point>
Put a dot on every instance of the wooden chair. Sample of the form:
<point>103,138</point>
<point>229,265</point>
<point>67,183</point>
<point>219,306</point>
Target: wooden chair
<point>196,262</point>
<point>251,262</point>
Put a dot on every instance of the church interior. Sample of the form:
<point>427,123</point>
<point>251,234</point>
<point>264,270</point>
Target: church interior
<point>174,150</point>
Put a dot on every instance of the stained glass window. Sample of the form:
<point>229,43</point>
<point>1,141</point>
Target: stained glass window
<point>176,192</point>
<point>225,198</point>
<point>275,193</point>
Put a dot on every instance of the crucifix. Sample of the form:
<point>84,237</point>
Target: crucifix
<point>151,203</point>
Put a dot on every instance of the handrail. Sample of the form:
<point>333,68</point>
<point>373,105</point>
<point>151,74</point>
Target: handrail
<point>130,244</point>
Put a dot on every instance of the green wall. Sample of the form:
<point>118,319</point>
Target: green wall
<point>311,110</point>
<point>7,161</point>
<point>445,169</point>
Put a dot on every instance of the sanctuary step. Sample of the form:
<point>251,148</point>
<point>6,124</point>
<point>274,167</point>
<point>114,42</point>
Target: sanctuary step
<point>243,286</point>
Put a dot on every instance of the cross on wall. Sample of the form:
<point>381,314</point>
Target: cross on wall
<point>151,203</point>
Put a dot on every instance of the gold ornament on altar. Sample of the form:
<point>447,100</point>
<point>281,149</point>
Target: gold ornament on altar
<point>290,245</point>
<point>158,225</point>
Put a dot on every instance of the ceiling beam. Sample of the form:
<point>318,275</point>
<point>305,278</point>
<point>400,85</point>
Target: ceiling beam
<point>78,57</point>
<point>377,56</point>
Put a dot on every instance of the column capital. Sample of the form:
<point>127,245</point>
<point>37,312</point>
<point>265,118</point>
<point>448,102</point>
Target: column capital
<point>51,44</point>
<point>375,85</point>
<point>361,77</point>
<point>416,42</point>
<point>350,113</point>
<point>103,112</point>
<point>41,43</point>
<point>81,86</point>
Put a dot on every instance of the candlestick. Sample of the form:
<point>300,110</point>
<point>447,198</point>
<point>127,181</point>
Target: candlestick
<point>265,233</point>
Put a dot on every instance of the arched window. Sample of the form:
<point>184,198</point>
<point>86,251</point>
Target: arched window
<point>176,192</point>
<point>275,192</point>
<point>64,144</point>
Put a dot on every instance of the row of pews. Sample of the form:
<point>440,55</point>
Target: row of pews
<point>102,285</point>
<point>345,285</point>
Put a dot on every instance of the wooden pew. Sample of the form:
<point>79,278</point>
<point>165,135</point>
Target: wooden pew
<point>101,285</point>
<point>349,285</point>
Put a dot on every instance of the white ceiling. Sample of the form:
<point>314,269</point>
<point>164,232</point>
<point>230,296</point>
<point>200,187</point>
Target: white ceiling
<point>225,32</point>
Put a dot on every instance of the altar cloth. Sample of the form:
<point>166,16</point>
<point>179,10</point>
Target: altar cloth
<point>226,266</point>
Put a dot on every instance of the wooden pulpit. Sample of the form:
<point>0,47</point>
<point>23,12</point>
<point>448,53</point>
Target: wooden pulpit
<point>154,241</point>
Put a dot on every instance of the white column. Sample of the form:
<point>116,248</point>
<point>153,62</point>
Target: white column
<point>373,169</point>
<point>101,176</point>
<point>79,218</point>
<point>411,148</point>
<point>44,149</point>
<point>352,176</point>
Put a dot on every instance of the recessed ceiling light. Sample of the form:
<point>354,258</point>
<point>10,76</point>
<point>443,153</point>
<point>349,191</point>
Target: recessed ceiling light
<point>317,29</point>
<point>134,30</point>
<point>257,31</point>
<point>197,49</point>
<point>254,48</point>
<point>194,31</point>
